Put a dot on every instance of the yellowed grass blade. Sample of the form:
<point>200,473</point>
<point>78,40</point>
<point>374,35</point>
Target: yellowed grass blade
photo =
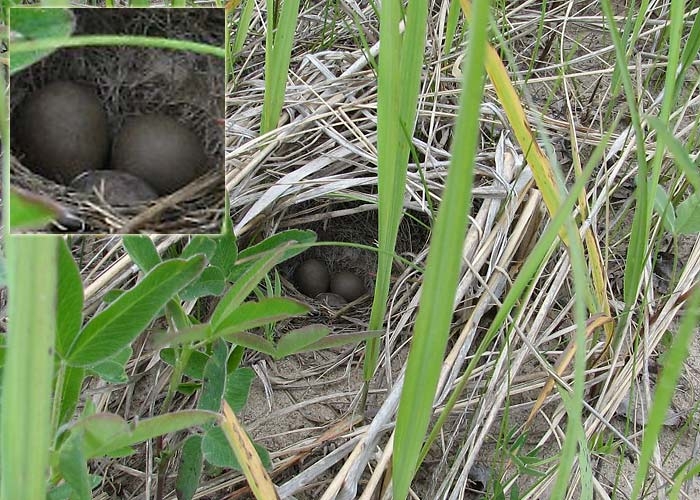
<point>508,97</point>
<point>595,258</point>
<point>542,170</point>
<point>247,457</point>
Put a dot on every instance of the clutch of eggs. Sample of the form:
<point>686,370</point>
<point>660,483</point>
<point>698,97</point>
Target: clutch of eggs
<point>314,280</point>
<point>62,130</point>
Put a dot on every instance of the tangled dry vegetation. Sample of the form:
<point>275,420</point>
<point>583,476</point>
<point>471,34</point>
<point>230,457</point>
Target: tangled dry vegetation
<point>318,170</point>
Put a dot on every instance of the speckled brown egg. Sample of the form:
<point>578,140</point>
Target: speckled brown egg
<point>312,277</point>
<point>160,150</point>
<point>62,131</point>
<point>116,187</point>
<point>347,285</point>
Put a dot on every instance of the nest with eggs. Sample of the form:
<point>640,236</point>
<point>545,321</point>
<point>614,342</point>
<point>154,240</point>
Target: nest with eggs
<point>344,295</point>
<point>337,281</point>
<point>159,105</point>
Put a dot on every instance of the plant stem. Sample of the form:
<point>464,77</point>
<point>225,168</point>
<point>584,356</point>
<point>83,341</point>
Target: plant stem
<point>25,427</point>
<point>103,40</point>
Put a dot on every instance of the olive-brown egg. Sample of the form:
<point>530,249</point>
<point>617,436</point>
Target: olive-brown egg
<point>116,187</point>
<point>160,150</point>
<point>347,285</point>
<point>62,131</point>
<point>312,277</point>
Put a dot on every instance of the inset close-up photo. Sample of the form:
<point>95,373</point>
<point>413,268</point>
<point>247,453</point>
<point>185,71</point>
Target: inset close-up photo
<point>121,132</point>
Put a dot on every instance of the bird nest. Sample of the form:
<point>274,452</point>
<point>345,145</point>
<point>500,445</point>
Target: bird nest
<point>318,170</point>
<point>131,81</point>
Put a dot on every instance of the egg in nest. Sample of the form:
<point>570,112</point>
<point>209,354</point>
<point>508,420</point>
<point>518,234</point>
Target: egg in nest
<point>116,187</point>
<point>62,131</point>
<point>312,277</point>
<point>347,285</point>
<point>160,150</point>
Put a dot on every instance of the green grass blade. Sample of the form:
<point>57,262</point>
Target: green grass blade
<point>397,96</point>
<point>242,28</point>
<point>389,180</point>
<point>575,439</point>
<point>634,22</point>
<point>278,52</point>
<point>25,426</point>
<point>451,28</point>
<point>681,156</point>
<point>674,361</point>
<point>532,265</point>
<point>674,53</point>
<point>442,269</point>
<point>690,51</point>
<point>636,250</point>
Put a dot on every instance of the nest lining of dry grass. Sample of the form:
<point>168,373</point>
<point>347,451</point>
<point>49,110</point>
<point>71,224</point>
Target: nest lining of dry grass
<point>134,81</point>
<point>319,168</point>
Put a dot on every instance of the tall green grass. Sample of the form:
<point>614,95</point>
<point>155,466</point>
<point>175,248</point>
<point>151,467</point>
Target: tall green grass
<point>279,39</point>
<point>398,82</point>
<point>242,25</point>
<point>27,378</point>
<point>443,267</point>
<point>27,374</point>
<point>639,250</point>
